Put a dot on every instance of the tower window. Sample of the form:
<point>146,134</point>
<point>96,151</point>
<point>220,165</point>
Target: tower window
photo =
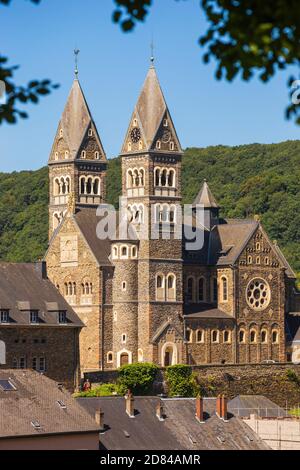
<point>135,123</point>
<point>224,284</point>
<point>200,336</point>
<point>124,338</point>
<point>110,357</point>
<point>61,133</point>
<point>158,145</point>
<point>166,123</point>
<point>252,336</point>
<point>66,154</point>
<point>134,252</point>
<point>172,146</point>
<point>227,336</point>
<point>242,336</point>
<point>267,261</point>
<point>258,246</point>
<point>258,260</point>
<point>215,336</point>
<point>56,155</point>
<point>275,337</point>
<point>124,252</point>
<point>190,289</point>
<point>124,286</point>
<point>83,154</point>
<point>97,155</point>
<point>90,132</point>
<point>189,336</point>
<point>249,259</point>
<point>264,336</point>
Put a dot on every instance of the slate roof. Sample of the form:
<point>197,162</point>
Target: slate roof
<point>180,430</point>
<point>204,310</point>
<point>75,121</point>
<point>151,108</point>
<point>35,399</point>
<point>244,405</point>
<point>206,197</point>
<point>23,288</point>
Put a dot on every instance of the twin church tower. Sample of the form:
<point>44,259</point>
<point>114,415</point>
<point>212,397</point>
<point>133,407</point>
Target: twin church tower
<point>149,298</point>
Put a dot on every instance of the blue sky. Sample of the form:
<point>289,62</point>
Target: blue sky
<point>113,65</point>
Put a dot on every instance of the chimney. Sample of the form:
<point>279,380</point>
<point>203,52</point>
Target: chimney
<point>41,269</point>
<point>129,400</point>
<point>199,409</point>
<point>224,414</point>
<point>219,406</point>
<point>160,412</point>
<point>99,418</point>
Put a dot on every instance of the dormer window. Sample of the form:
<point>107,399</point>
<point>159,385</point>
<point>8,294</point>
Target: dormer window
<point>34,316</point>
<point>90,132</point>
<point>4,316</point>
<point>83,154</point>
<point>62,317</point>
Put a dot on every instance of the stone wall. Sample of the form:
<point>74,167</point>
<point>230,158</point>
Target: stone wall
<point>270,380</point>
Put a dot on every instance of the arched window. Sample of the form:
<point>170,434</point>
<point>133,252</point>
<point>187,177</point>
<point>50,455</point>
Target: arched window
<point>90,132</point>
<point>275,337</point>
<point>115,252</point>
<point>200,336</point>
<point>267,261</point>
<point>158,145</point>
<point>215,336</point>
<point>97,155</point>
<point>124,286</point>
<point>140,355</point>
<point>201,289</point>
<point>264,336</point>
<point>157,177</point>
<point>110,357</point>
<point>215,290</point>
<point>56,156</point>
<point>160,287</point>
<point>242,336</point>
<point>171,287</point>
<point>134,252</point>
<point>227,336</point>
<point>83,154</point>
<point>257,246</point>
<point>250,260</point>
<point>171,179</point>
<point>252,336</point>
<point>189,336</point>
<point>258,260</point>
<point>224,284</point>
<point>124,252</point>
<point>166,123</point>
<point>190,289</point>
<point>163,178</point>
<point>61,133</point>
<point>171,145</point>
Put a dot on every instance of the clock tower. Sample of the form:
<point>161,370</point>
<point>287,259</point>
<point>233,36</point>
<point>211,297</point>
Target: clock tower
<point>151,182</point>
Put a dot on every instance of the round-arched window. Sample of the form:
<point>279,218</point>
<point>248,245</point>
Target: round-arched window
<point>258,294</point>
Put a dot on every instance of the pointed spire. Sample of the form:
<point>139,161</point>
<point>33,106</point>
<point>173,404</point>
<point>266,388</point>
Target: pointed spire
<point>75,122</point>
<point>206,198</point>
<point>150,111</point>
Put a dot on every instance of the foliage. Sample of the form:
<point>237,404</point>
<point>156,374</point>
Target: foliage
<point>137,377</point>
<point>246,180</point>
<point>181,381</point>
<point>104,390</point>
<point>292,376</point>
<point>295,412</point>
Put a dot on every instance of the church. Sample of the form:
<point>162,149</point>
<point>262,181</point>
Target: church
<point>152,299</point>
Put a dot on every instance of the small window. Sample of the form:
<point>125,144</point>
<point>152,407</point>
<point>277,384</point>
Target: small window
<point>90,132</point>
<point>275,337</point>
<point>267,261</point>
<point>158,145</point>
<point>115,252</point>
<point>166,123</point>
<point>258,260</point>
<point>200,336</point>
<point>215,336</point>
<point>134,252</point>
<point>264,336</point>
<point>242,336</point>
<point>22,363</point>
<point>97,155</point>
<point>257,246</point>
<point>61,133</point>
<point>250,260</point>
<point>83,154</point>
<point>172,146</point>
<point>252,336</point>
<point>56,156</point>
<point>189,336</point>
<point>66,154</point>
<point>110,357</point>
<point>124,286</point>
<point>62,317</point>
<point>34,316</point>
<point>135,122</point>
<point>4,316</point>
<point>227,336</point>
<point>224,283</point>
<point>124,252</point>
<point>124,338</point>
<point>42,364</point>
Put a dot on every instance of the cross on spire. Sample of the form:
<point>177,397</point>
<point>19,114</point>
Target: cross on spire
<point>76,53</point>
<point>152,52</point>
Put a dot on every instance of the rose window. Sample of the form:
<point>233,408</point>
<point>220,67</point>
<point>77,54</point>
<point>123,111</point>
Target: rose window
<point>258,294</point>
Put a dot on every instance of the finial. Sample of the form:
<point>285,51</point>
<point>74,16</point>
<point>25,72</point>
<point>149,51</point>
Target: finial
<point>76,53</point>
<point>152,52</point>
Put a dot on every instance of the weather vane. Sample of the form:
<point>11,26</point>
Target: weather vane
<point>152,51</point>
<point>76,53</point>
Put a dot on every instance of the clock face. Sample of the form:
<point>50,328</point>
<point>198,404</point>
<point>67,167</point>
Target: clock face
<point>166,137</point>
<point>135,135</point>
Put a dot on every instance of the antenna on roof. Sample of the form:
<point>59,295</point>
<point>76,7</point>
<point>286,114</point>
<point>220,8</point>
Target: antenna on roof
<point>76,53</point>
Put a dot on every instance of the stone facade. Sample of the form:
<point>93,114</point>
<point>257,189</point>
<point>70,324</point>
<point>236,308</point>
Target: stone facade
<point>149,298</point>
